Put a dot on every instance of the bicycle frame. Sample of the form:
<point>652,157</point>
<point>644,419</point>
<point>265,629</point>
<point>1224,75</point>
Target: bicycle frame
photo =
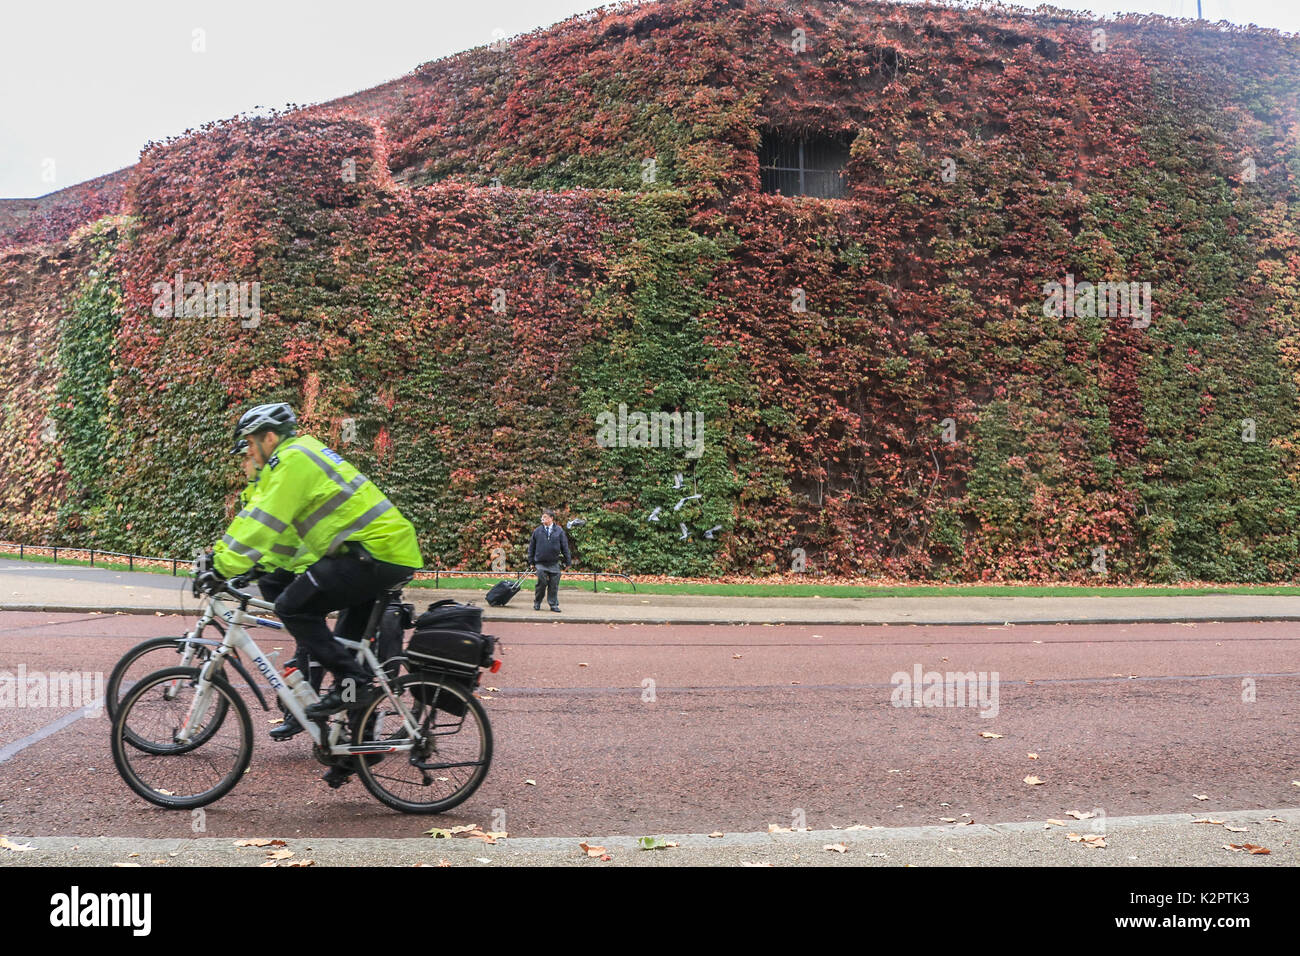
<point>238,639</point>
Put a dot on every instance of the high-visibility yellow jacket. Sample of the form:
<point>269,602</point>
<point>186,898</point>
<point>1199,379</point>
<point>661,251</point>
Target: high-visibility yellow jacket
<point>309,489</point>
<point>288,553</point>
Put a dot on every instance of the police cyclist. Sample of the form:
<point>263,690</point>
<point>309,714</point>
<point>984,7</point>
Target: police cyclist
<point>365,546</point>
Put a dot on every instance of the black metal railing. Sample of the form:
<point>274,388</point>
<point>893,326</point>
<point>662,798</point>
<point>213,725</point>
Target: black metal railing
<point>437,573</point>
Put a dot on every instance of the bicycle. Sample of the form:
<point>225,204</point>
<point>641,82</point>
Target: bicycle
<point>428,718</point>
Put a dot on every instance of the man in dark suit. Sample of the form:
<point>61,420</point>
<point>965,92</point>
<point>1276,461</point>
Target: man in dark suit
<point>549,551</point>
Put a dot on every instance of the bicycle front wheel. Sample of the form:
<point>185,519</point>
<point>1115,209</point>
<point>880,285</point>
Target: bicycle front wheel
<point>165,772</point>
<point>146,658</point>
<point>451,748</point>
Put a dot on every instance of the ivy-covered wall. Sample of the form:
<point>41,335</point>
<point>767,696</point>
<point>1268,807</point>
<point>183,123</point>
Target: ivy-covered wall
<point>460,282</point>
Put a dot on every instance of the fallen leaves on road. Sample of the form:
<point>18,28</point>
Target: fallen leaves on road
<point>1200,796</point>
<point>1232,829</point>
<point>7,844</point>
<point>777,828</point>
<point>1055,823</point>
<point>1032,756</point>
<point>583,664</point>
<point>592,850</point>
<point>1248,847</point>
<point>836,848</point>
<point>279,854</point>
<point>947,819</point>
<point>991,736</point>
<point>1034,781</point>
<point>1217,823</point>
<point>471,831</point>
<point>530,783</point>
<point>715,834</point>
<point>260,843</point>
<point>1088,839</point>
<point>654,843</point>
<point>1080,814</point>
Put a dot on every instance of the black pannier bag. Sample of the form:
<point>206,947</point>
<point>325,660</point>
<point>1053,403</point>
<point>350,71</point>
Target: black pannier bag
<point>452,655</point>
<point>502,592</point>
<point>447,615</point>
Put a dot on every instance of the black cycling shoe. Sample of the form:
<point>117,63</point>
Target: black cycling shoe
<point>336,777</point>
<point>287,730</point>
<point>333,702</point>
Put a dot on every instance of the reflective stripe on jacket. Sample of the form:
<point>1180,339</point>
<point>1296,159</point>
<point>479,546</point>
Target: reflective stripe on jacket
<point>288,553</point>
<point>309,490</point>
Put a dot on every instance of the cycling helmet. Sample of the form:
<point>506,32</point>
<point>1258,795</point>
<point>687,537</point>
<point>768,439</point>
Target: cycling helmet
<point>277,417</point>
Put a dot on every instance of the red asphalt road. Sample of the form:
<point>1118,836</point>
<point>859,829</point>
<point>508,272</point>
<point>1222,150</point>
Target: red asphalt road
<point>748,725</point>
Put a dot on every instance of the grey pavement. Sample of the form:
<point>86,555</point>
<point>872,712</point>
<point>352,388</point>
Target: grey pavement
<point>32,586</point>
<point>1164,840</point>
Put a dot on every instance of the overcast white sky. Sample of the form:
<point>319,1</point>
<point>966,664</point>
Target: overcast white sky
<point>84,85</point>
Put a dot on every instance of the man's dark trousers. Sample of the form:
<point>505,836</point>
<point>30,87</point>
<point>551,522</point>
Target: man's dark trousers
<point>335,584</point>
<point>272,586</point>
<point>548,583</point>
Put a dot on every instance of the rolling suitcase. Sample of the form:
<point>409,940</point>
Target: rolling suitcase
<point>502,592</point>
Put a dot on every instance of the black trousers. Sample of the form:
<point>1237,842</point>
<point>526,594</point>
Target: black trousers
<point>548,583</point>
<point>341,583</point>
<point>272,586</point>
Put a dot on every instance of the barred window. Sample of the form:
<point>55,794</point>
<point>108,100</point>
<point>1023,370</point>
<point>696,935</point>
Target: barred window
<point>803,165</point>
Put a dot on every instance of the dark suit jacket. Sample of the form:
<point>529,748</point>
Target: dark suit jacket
<point>543,550</point>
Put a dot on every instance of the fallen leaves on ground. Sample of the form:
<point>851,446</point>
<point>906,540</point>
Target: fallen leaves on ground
<point>1055,823</point>
<point>716,833</point>
<point>1248,847</point>
<point>654,843</point>
<point>991,736</point>
<point>1032,756</point>
<point>1088,839</point>
<point>1200,796</point>
<point>6,844</point>
<point>1217,823</point>
<point>279,854</point>
<point>530,783</point>
<point>1080,814</point>
<point>777,828</point>
<point>260,843</point>
<point>1034,781</point>
<point>836,848</point>
<point>592,850</point>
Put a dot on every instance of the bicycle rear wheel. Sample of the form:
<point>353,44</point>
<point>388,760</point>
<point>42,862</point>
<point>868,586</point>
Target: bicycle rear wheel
<point>451,753</point>
<point>181,776</point>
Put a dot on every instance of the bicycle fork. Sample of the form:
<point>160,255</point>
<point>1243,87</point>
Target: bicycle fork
<point>202,698</point>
